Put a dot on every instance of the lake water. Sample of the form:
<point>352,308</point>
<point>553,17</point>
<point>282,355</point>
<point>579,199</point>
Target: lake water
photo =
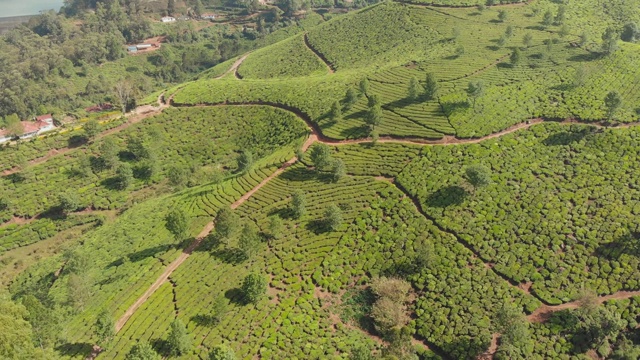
<point>10,8</point>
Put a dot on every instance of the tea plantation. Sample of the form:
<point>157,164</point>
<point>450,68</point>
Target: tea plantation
<point>446,179</point>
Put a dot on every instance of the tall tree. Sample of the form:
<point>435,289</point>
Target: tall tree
<point>142,351</point>
<point>104,328</point>
<point>298,204</point>
<point>45,322</point>
<point>123,92</point>
<point>610,41</point>
<point>527,40</point>
<point>339,171</point>
<point>245,161</point>
<point>249,241</point>
<point>502,15</point>
<point>124,176</point>
<point>431,86</point>
<point>222,352</point>
<point>171,7</point>
<point>109,152</point>
<point>350,98</point>
<point>16,340</point>
<point>276,227</point>
<point>179,340</point>
<point>13,125</point>
<point>475,90</point>
<point>373,117</point>
<point>364,86</point>
<point>478,176</point>
<point>91,129</point>
<point>516,56</point>
<point>69,201</point>
<point>613,102</point>
<point>414,89</point>
<point>335,115</point>
<point>254,286</point>
<point>512,324</point>
<point>333,217</point>
<point>320,156</point>
<point>227,224</point>
<point>177,222</point>
<point>547,19</point>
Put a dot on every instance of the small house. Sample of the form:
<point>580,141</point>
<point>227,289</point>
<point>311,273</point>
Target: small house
<point>4,136</point>
<point>168,19</point>
<point>143,46</point>
<point>132,49</point>
<point>207,16</point>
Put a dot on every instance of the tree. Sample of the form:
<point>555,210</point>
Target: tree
<point>339,171</point>
<point>375,136</point>
<point>45,322</point>
<point>475,90</point>
<point>612,101</point>
<point>630,32</point>
<point>219,309</point>
<point>547,19</point>
<point>455,33</point>
<point>139,147</point>
<point>298,204</point>
<point>254,287</point>
<point>171,7</point>
<point>91,129</point>
<point>4,204</point>
<point>104,328</point>
<point>580,76</point>
<point>16,340</point>
<point>431,86</point>
<point>198,8</point>
<point>178,339</point>
<point>109,152</point>
<point>222,352</point>
<point>584,39</point>
<point>502,41</point>
<point>350,98</point>
<point>124,176</point>
<point>388,315</point>
<point>516,56</point>
<point>227,224</point>
<point>364,86</point>
<point>561,16</point>
<point>481,8</point>
<point>13,125</point>
<point>373,117</point>
<point>333,217</point>
<point>392,288</point>
<point>414,89</point>
<point>513,325</point>
<point>459,51</point>
<point>509,31</point>
<point>123,91</point>
<point>245,161</point>
<point>361,352</point>
<point>320,156</point>
<point>502,15</point>
<point>610,41</point>
<point>69,201</point>
<point>478,176</point>
<point>178,175</point>
<point>335,115</point>
<point>564,31</point>
<point>142,351</point>
<point>276,227</point>
<point>177,222</point>
<point>249,241</point>
<point>527,40</point>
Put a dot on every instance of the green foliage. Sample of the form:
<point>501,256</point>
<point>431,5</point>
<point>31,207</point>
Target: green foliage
<point>513,326</point>
<point>350,98</point>
<point>298,204</point>
<point>104,328</point>
<point>516,56</point>
<point>91,128</point>
<point>178,339</point>
<point>339,170</point>
<point>478,176</point>
<point>178,175</point>
<point>610,41</point>
<point>333,218</point>
<point>124,176</point>
<point>431,87</point>
<point>245,161</point>
<point>142,351</point>
<point>222,352</point>
<point>320,156</point>
<point>177,222</point>
<point>249,241</point>
<point>254,286</point>
<point>227,224</point>
<point>612,101</point>
<point>15,342</point>
<point>502,15</point>
<point>45,322</point>
<point>276,227</point>
<point>69,201</point>
<point>415,90</point>
<point>335,115</point>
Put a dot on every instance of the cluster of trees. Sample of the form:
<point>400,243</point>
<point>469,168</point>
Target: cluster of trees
<point>320,156</point>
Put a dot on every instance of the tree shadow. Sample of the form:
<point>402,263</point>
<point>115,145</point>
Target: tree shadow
<point>111,183</point>
<point>493,47</point>
<point>161,346</point>
<point>564,138</point>
<point>205,320</point>
<point>585,57</point>
<point>283,213</point>
<point>75,349</point>
<point>627,244</point>
<point>563,87</point>
<point>317,227</point>
<point>536,27</point>
<point>16,178</point>
<point>465,347</point>
<point>141,255</point>
<point>454,106</point>
<point>232,256</point>
<point>77,141</point>
<point>447,196</point>
<point>235,296</point>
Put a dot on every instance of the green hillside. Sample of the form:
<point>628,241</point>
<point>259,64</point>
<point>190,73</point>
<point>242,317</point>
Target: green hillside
<point>411,180</point>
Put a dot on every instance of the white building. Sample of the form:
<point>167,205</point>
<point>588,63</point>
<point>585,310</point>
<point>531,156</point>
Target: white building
<point>42,124</point>
<point>168,19</point>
